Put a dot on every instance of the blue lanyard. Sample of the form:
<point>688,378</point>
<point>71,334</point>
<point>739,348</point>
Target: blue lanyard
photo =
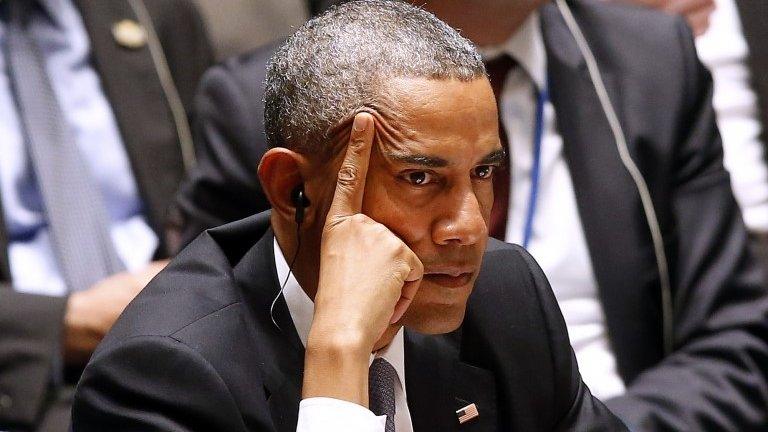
<point>541,99</point>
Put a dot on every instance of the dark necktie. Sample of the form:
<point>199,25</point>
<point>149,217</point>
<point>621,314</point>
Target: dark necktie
<point>75,211</point>
<point>381,391</point>
<point>498,69</point>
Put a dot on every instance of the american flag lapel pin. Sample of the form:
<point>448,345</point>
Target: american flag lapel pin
<point>467,413</point>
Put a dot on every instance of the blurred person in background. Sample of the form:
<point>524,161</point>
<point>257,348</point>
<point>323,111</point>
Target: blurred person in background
<point>587,227</point>
<point>239,26</point>
<point>93,144</point>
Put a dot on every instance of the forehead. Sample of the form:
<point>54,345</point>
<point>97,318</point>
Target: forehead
<point>449,118</point>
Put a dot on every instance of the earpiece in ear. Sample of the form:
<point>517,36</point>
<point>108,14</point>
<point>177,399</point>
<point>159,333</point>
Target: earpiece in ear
<point>300,201</point>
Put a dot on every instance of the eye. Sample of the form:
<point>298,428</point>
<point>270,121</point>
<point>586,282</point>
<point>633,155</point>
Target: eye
<point>418,178</point>
<point>484,171</point>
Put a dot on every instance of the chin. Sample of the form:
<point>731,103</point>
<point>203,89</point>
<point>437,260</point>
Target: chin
<point>434,318</point>
<point>434,322</point>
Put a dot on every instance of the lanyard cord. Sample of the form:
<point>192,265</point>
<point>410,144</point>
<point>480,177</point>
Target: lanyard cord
<point>542,97</point>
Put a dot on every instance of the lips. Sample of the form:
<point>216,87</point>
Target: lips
<point>450,277</point>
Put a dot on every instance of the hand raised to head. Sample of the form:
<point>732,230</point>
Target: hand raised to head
<point>368,278</point>
<point>350,182</point>
<point>345,224</point>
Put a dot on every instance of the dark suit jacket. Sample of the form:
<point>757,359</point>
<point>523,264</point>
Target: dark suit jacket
<point>754,22</point>
<point>716,378</point>
<point>197,350</point>
<point>31,325</point>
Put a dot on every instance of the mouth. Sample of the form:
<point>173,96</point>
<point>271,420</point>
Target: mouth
<point>450,277</point>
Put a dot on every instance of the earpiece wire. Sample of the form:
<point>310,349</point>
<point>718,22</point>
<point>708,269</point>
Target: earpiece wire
<point>287,277</point>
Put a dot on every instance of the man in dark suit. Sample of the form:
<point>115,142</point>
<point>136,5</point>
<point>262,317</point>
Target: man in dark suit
<point>714,377</point>
<point>380,204</point>
<point>125,116</point>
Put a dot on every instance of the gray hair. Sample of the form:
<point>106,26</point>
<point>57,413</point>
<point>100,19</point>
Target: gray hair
<point>338,63</point>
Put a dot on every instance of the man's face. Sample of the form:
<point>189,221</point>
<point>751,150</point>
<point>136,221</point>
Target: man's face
<point>430,182</point>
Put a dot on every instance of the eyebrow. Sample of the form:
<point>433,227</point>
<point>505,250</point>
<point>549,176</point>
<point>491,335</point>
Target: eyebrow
<point>417,159</point>
<point>498,156</point>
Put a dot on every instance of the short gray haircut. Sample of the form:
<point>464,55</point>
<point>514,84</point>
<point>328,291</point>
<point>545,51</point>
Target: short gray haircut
<point>339,63</point>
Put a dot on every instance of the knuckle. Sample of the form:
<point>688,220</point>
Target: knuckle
<point>396,248</point>
<point>416,262</point>
<point>357,145</point>
<point>386,233</point>
<point>403,268</point>
<point>401,249</point>
<point>348,175</point>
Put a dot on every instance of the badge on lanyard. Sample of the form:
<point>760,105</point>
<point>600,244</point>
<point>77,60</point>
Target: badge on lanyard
<point>129,34</point>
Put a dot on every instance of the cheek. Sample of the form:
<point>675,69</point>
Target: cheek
<point>484,194</point>
<point>385,203</point>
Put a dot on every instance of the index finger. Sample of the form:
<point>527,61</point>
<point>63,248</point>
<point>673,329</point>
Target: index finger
<point>350,182</point>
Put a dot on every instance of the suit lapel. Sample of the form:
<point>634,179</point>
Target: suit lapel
<point>607,200</point>
<point>438,384</point>
<point>473,385</point>
<point>133,89</point>
<point>5,268</point>
<point>283,367</point>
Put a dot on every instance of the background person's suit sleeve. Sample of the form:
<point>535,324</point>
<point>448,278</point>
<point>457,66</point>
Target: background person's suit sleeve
<point>716,377</point>
<point>230,140</point>
<point>30,341</point>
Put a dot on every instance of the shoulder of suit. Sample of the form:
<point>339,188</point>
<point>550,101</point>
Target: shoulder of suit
<point>196,284</point>
<point>496,246</point>
<point>248,69</point>
<point>624,21</point>
<point>239,80</point>
<point>504,262</point>
<point>507,265</point>
<point>621,12</point>
<point>644,47</point>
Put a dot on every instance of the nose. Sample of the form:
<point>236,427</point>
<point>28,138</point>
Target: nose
<point>462,220</point>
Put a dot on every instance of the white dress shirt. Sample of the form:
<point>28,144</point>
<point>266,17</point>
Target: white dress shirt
<point>322,414</point>
<point>557,241</point>
<point>723,49</point>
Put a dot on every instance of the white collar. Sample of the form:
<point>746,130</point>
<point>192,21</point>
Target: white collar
<point>302,309</point>
<point>526,46</point>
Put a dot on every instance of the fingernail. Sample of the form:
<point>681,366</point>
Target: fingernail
<point>396,317</point>
<point>360,123</point>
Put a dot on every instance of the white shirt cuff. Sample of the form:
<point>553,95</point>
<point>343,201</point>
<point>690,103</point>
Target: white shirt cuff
<point>321,414</point>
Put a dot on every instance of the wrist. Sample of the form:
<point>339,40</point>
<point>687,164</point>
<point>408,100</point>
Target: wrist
<point>74,319</point>
<point>336,366</point>
<point>338,338</point>
<point>79,338</point>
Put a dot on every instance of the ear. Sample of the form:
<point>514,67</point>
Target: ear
<point>280,173</point>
